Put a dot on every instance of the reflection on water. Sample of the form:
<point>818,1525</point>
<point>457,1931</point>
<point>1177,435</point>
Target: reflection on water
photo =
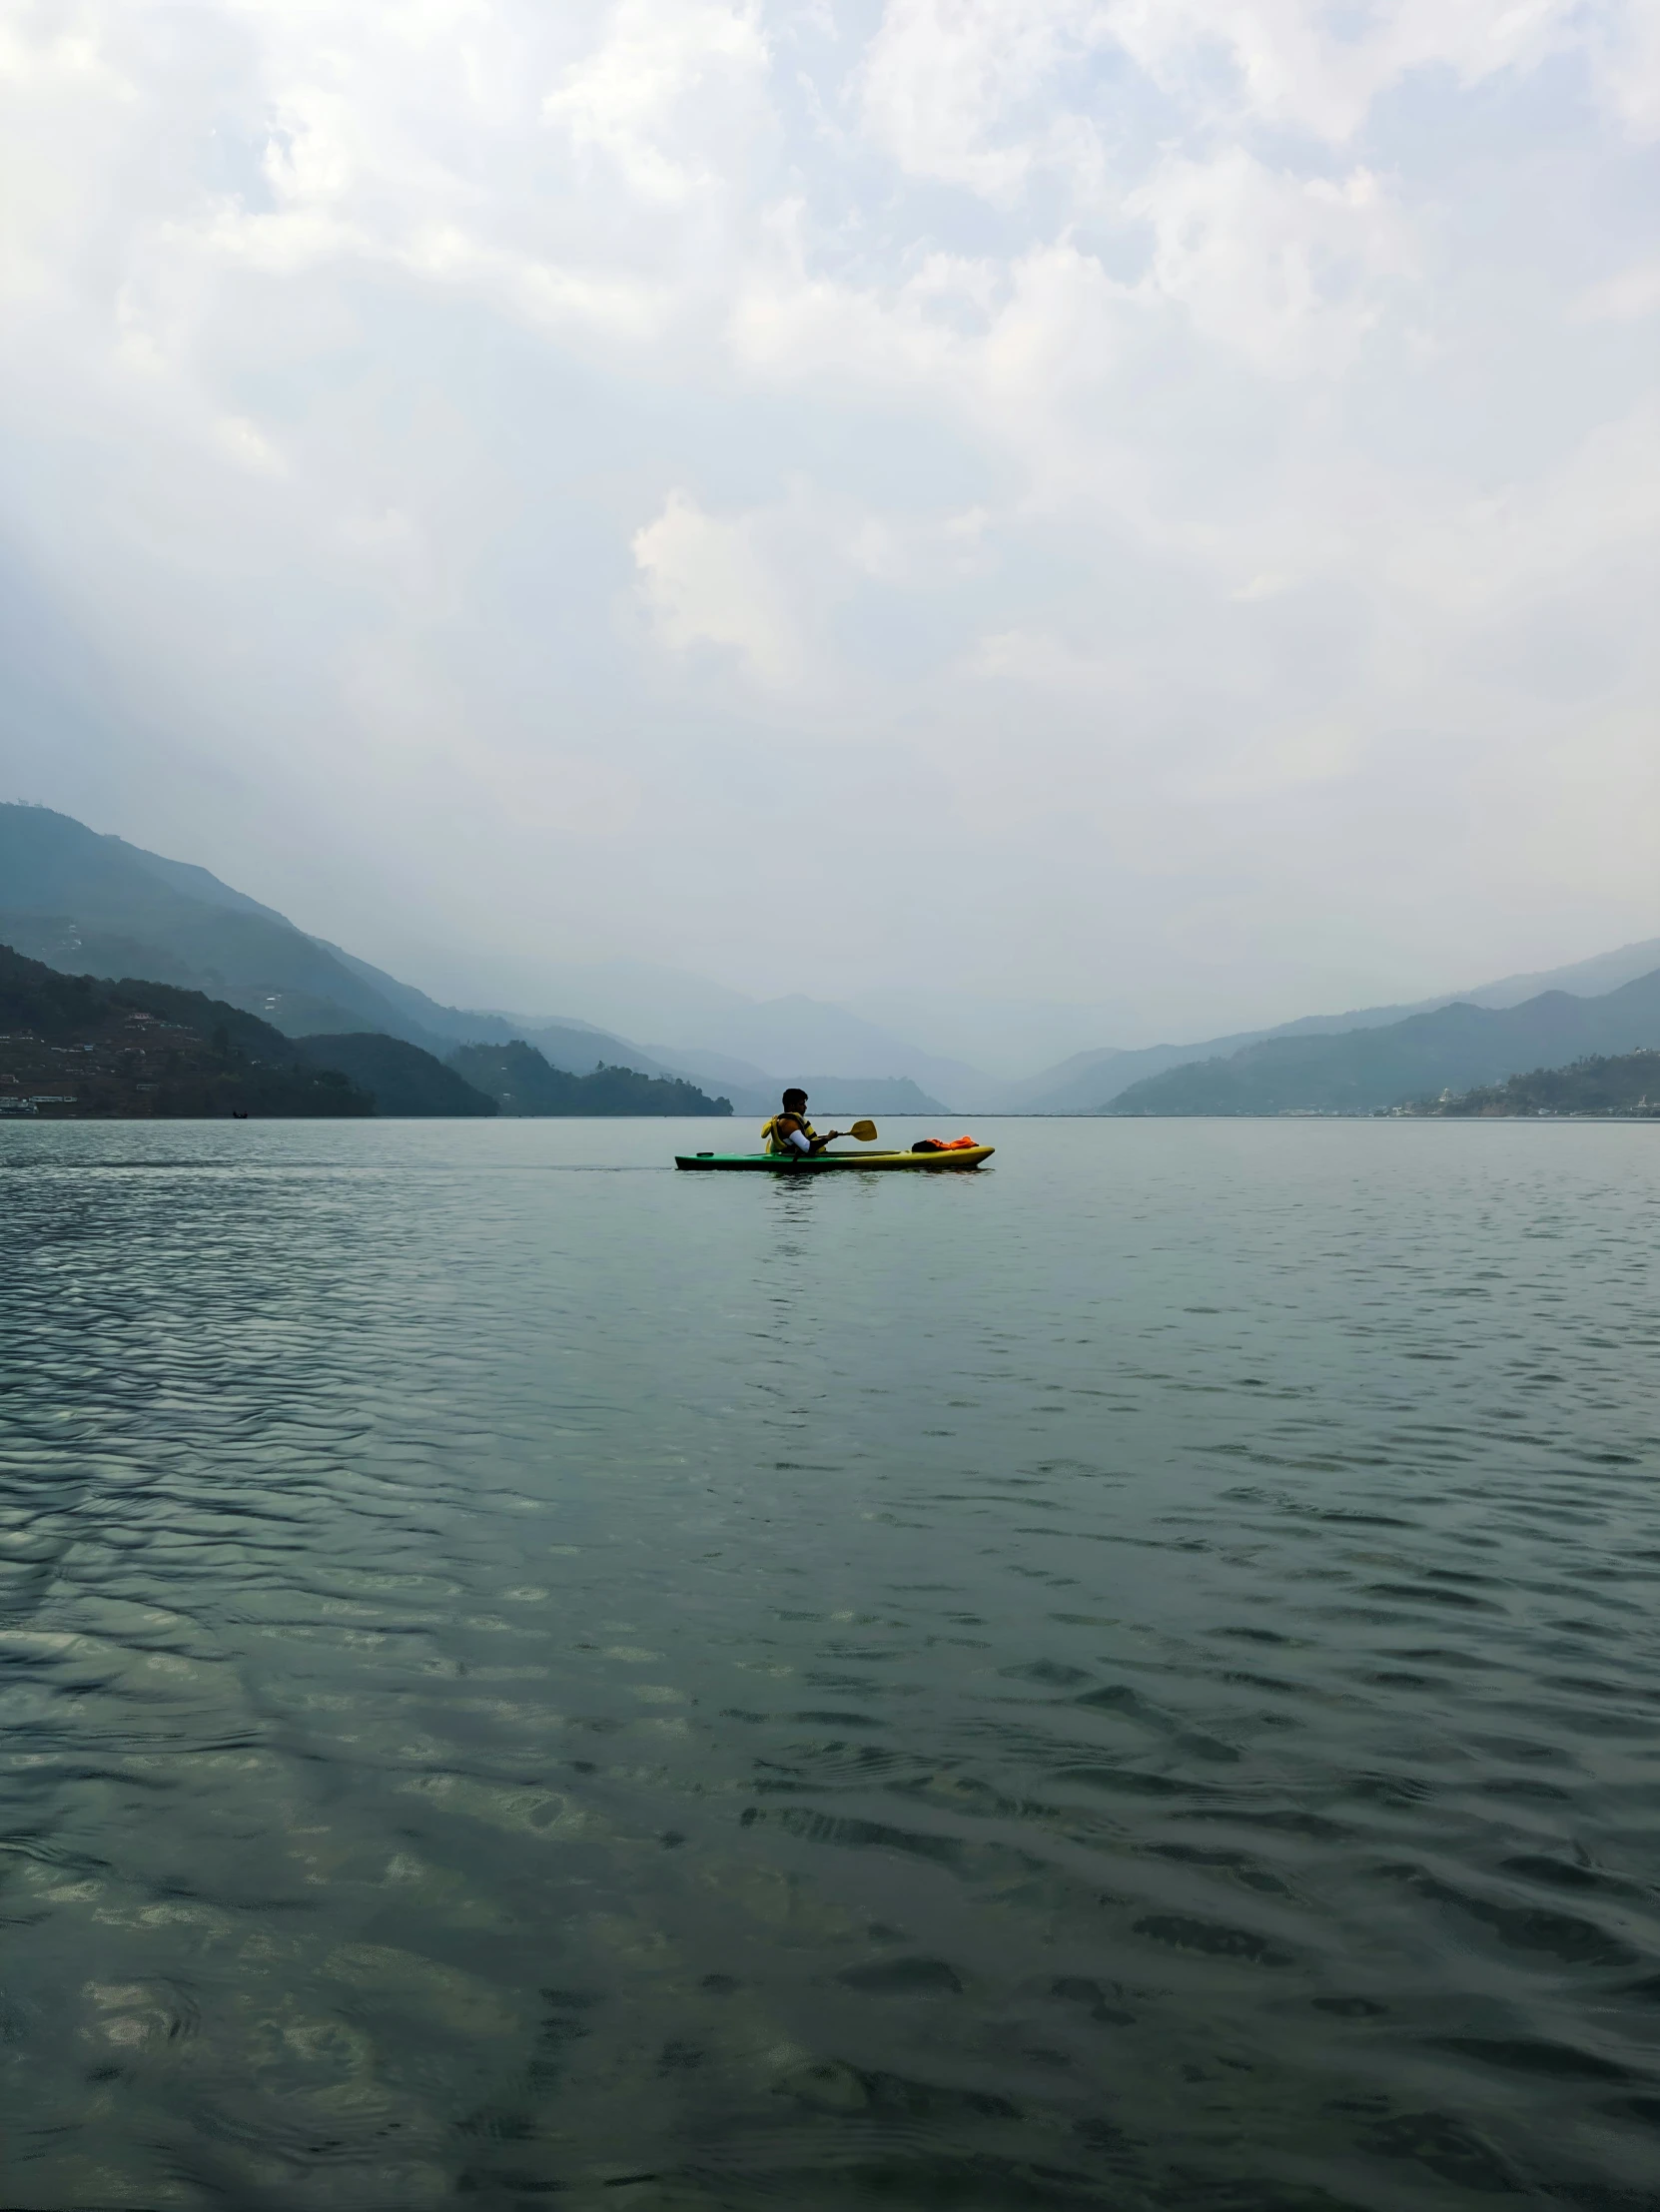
<point>1128,1680</point>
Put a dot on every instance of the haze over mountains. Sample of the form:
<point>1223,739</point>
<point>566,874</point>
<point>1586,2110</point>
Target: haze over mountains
<point>1093,1080</point>
<point>87,901</point>
<point>84,902</point>
<point>1362,1071</point>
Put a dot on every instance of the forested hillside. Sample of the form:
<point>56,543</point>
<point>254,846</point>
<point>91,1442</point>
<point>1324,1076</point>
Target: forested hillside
<point>1455,1048</point>
<point>1627,1085</point>
<point>522,1082</point>
<point>403,1081</point>
<point>77,1049</point>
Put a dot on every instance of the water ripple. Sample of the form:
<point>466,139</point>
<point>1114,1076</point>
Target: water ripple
<point>1127,1682</point>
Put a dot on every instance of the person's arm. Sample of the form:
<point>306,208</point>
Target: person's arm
<point>799,1137</point>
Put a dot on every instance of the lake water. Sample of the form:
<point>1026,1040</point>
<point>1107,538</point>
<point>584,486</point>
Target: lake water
<point>1125,1681</point>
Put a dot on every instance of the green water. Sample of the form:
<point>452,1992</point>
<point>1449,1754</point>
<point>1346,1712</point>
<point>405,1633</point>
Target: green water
<point>1125,1681</point>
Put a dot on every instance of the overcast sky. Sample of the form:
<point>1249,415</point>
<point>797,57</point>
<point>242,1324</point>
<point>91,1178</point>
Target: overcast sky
<point>1152,501</point>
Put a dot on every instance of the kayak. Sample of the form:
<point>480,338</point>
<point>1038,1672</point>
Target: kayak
<point>780,1163</point>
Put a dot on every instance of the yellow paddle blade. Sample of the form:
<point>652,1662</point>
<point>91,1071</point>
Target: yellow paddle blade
<point>865,1131</point>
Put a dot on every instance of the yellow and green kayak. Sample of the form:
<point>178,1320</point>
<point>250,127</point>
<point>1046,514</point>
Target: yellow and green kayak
<point>780,1163</point>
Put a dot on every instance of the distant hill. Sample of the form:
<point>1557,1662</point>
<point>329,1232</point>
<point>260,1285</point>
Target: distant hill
<point>1586,978</point>
<point>402,1079</point>
<point>80,900</point>
<point>1089,1082</point>
<point>1455,1048</point>
<point>521,1081</point>
<point>77,1049</point>
<point>727,1037</point>
<point>575,1045</point>
<point>84,902</point>
<point>1627,1085</point>
<point>786,1036</point>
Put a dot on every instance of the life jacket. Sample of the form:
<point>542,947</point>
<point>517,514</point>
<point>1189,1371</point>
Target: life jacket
<point>774,1143</point>
<point>946,1144</point>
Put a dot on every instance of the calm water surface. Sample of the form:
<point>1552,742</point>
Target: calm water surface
<point>1128,1680</point>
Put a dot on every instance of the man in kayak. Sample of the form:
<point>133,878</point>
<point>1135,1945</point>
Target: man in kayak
<point>792,1131</point>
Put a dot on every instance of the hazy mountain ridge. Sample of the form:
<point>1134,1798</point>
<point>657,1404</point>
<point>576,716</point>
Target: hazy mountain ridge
<point>1364,1070</point>
<point>576,1046</point>
<point>81,900</point>
<point>75,1047</point>
<point>754,1090</point>
<point>74,899</point>
<point>481,1025</point>
<point>196,882</point>
<point>1090,1081</point>
<point>798,1032</point>
<point>718,1035</point>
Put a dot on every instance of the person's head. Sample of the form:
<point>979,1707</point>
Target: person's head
<point>795,1101</point>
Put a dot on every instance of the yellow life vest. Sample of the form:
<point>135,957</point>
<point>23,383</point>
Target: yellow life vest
<point>774,1143</point>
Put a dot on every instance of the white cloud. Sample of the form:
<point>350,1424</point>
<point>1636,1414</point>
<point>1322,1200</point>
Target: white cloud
<point>769,584</point>
<point>1115,398</point>
<point>910,553</point>
<point>944,84</point>
<point>1626,42</point>
<point>249,446</point>
<point>709,581</point>
<point>660,97</point>
<point>1597,513</point>
<point>1282,270</point>
<point>1628,298</point>
<point>1013,353</point>
<point>986,92</point>
<point>1322,752</point>
<point>1303,64</point>
<point>1034,661</point>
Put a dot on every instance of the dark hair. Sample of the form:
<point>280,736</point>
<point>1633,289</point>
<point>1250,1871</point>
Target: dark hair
<point>789,1094</point>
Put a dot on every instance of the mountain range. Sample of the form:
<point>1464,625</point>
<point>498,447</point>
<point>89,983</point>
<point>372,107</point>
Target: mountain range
<point>86,901</point>
<point>83,900</point>
<point>1365,1070</point>
<point>1090,1081</point>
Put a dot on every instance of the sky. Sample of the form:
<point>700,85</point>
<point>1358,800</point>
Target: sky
<point>1147,502</point>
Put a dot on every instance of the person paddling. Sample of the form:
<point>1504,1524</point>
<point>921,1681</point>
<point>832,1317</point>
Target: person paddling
<point>792,1131</point>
